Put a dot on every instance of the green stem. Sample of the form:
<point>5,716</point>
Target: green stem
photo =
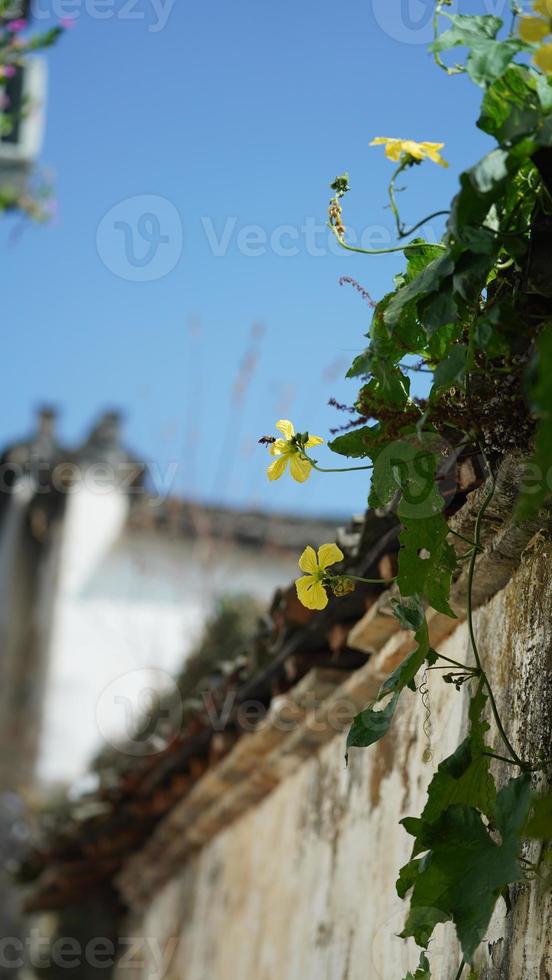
<point>462,537</point>
<point>394,207</point>
<point>424,221</point>
<point>372,581</point>
<point>458,69</point>
<point>516,11</point>
<point>380,251</point>
<point>342,469</point>
<point>503,758</point>
<point>456,663</point>
<point>401,230</point>
<point>460,970</point>
<point>471,630</point>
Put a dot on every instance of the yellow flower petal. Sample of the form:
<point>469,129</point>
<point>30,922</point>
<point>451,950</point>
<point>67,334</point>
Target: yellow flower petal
<point>279,447</point>
<point>308,562</point>
<point>286,428</point>
<point>300,468</point>
<point>311,593</point>
<point>543,58</point>
<point>533,29</point>
<point>329,554</point>
<point>313,441</point>
<point>543,7</point>
<point>277,468</point>
<point>395,148</point>
<point>413,149</point>
<point>432,151</point>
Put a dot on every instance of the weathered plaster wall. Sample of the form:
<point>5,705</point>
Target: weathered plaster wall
<point>302,886</point>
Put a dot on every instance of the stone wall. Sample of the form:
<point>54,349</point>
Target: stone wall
<point>301,887</point>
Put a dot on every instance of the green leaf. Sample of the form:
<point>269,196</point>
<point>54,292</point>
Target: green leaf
<point>544,91</point>
<point>511,108</point>
<point>440,341</point>
<point>543,136</point>
<point>452,370</point>
<point>481,187</point>
<point>360,365</point>
<point>439,309</point>
<point>512,807</point>
<point>419,258</point>
<point>539,824</point>
<point>389,386</point>
<point>460,879</point>
<point>488,59</point>
<point>409,612</point>
<point>356,444</point>
<point>426,560</point>
<point>467,31</point>
<point>472,271</point>
<point>489,330</point>
<point>405,673</point>
<point>408,465</point>
<point>426,282</point>
<point>370,724</point>
<point>535,493</point>
<point>423,971</point>
<point>44,39</point>
<point>407,877</point>
<point>465,870</point>
<point>374,721</point>
<point>462,778</point>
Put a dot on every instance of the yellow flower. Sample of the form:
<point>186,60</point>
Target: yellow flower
<point>290,450</point>
<point>543,7</point>
<point>310,587</point>
<point>395,149</point>
<point>543,58</point>
<point>533,29</point>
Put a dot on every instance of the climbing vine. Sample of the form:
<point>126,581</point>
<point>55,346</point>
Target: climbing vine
<point>474,311</point>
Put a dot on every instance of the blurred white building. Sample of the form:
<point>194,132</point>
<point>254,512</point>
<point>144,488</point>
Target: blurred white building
<point>105,588</point>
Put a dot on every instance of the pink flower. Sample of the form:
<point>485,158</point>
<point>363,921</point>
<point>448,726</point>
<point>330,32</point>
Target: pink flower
<point>16,25</point>
<point>67,23</point>
<point>7,71</point>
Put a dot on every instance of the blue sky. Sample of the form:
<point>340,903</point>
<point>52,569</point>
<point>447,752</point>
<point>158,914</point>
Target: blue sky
<point>237,116</point>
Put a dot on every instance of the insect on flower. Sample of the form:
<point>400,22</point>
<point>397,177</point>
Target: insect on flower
<point>290,450</point>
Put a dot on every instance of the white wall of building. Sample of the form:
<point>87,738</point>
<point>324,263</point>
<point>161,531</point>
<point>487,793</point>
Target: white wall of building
<point>129,603</point>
